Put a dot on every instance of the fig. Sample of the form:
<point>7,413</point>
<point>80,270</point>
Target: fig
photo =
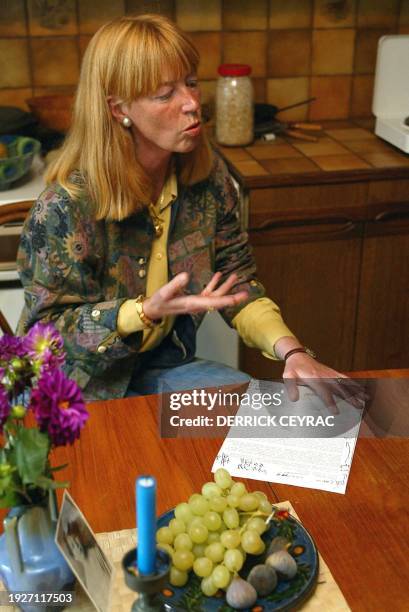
<point>278,543</point>
<point>283,563</point>
<point>263,578</point>
<point>241,594</point>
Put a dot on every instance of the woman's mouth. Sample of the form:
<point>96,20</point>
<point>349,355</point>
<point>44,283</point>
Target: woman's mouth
<point>193,129</point>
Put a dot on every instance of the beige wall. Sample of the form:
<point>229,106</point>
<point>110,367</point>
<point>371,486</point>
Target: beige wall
<point>297,48</point>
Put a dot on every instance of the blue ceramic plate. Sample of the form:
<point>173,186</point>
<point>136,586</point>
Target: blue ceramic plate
<point>287,594</point>
<point>16,156</point>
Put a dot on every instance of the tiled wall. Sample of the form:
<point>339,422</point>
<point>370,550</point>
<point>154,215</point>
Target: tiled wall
<point>297,48</point>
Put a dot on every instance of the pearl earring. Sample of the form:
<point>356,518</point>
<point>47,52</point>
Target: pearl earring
<point>126,122</point>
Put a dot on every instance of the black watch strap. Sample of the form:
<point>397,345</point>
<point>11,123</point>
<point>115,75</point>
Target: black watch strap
<point>300,349</point>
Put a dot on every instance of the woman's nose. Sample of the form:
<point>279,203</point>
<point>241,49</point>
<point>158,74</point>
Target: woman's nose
<point>191,102</point>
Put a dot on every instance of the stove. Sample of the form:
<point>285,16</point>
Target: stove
<point>28,188</point>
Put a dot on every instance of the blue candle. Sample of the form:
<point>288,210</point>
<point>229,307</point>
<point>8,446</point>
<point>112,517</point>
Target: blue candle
<point>146,522</point>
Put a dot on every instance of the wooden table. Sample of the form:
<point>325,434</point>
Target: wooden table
<point>363,535</point>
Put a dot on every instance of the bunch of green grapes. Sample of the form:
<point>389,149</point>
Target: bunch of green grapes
<point>212,532</point>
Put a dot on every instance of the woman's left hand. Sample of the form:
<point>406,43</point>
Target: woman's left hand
<point>327,383</point>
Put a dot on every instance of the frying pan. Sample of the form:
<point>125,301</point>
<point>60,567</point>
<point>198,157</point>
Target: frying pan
<point>265,116</point>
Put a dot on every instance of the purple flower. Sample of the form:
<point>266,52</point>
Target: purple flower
<point>4,406</point>
<point>11,347</point>
<point>59,407</point>
<point>45,345</point>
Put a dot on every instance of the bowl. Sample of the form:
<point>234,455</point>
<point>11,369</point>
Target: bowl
<point>53,112</point>
<point>16,156</point>
<point>288,595</point>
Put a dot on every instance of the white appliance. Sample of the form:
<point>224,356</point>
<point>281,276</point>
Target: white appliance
<point>390,102</point>
<point>26,189</point>
<point>11,302</point>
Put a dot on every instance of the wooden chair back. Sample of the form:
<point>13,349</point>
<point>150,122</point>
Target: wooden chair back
<point>5,326</point>
<point>14,213</point>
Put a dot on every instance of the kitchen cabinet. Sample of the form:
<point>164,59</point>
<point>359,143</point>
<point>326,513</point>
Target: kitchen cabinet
<point>331,246</point>
<point>312,270</point>
<point>382,335</point>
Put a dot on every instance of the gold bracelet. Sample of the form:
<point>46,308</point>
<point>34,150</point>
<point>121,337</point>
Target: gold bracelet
<point>143,317</point>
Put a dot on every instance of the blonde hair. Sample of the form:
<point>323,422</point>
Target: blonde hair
<point>125,58</point>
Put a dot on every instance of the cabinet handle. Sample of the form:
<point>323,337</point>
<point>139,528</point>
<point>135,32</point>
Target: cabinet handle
<point>392,215</point>
<point>346,224</point>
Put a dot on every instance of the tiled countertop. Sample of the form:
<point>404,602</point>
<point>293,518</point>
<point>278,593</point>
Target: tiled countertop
<point>344,151</point>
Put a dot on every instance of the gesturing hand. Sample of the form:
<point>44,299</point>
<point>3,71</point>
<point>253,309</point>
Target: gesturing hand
<point>171,299</point>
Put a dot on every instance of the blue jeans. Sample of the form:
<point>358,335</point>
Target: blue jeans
<point>196,374</point>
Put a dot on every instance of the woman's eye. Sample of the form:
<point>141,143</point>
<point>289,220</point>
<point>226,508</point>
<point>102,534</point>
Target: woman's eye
<point>192,83</point>
<point>164,96</point>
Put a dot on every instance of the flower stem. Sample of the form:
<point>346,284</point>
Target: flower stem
<point>23,493</point>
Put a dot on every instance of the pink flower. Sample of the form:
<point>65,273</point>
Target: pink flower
<point>11,347</point>
<point>45,345</point>
<point>59,407</point>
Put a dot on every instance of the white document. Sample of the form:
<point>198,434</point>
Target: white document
<point>315,462</point>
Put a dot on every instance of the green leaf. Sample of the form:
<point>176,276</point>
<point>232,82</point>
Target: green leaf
<point>32,447</point>
<point>49,483</point>
<point>5,483</point>
<point>61,484</point>
<point>59,467</point>
<point>11,498</point>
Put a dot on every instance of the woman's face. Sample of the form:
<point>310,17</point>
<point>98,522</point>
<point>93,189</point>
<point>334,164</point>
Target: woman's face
<point>169,119</point>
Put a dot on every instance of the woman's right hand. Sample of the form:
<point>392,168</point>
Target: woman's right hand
<point>171,299</point>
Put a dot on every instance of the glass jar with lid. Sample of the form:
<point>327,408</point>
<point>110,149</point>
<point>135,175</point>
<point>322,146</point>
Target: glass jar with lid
<point>234,105</point>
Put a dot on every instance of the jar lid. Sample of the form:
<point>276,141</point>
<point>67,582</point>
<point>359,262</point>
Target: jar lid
<point>234,69</point>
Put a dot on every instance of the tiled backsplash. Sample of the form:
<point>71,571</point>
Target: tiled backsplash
<point>297,48</point>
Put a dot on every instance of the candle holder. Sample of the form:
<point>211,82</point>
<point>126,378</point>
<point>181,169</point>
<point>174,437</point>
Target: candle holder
<point>148,586</point>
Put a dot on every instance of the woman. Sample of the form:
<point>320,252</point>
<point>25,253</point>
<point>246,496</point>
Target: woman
<point>137,234</point>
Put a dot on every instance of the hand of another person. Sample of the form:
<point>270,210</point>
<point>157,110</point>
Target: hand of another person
<point>171,299</point>
<point>301,369</point>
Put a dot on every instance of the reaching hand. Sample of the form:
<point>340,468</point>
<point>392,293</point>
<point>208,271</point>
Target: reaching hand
<point>327,383</point>
<point>171,299</point>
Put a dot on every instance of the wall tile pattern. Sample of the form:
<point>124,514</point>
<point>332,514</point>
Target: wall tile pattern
<point>297,48</point>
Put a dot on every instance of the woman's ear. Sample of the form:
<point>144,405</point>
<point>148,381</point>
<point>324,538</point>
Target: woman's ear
<point>115,105</point>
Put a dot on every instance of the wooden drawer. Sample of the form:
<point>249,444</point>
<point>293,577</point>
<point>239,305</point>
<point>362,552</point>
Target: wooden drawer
<point>308,230</point>
<point>306,202</point>
<point>388,191</point>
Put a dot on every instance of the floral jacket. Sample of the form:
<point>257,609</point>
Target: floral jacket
<point>77,272</point>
